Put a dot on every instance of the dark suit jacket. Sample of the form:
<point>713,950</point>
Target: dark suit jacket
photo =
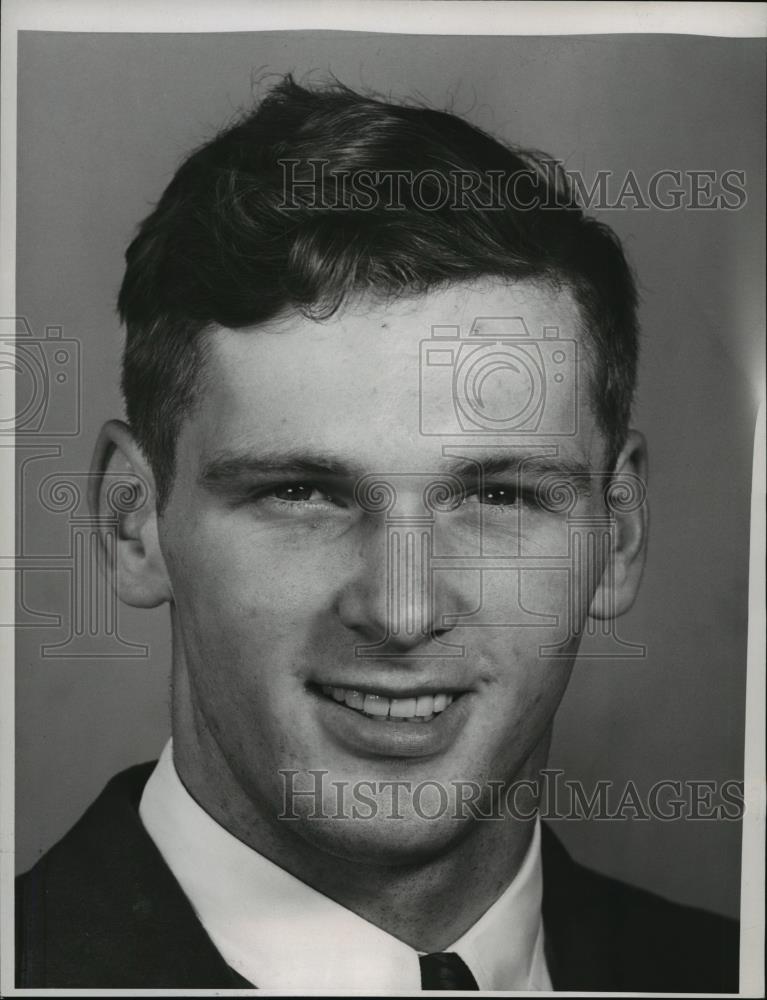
<point>102,910</point>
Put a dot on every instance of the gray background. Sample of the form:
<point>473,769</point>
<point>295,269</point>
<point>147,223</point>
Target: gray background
<point>104,120</point>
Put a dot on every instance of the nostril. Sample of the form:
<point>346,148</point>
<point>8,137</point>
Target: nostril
<point>440,631</point>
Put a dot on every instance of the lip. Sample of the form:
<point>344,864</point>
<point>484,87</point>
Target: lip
<point>368,737</point>
<point>412,691</point>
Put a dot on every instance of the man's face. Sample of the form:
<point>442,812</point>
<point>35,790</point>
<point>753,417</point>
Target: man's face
<point>316,631</point>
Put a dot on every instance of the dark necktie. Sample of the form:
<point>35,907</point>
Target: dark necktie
<point>444,970</point>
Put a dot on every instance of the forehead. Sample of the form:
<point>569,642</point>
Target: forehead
<point>388,376</point>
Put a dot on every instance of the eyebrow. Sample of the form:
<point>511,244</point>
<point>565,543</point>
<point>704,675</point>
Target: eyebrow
<point>228,469</point>
<point>512,464</point>
<point>231,468</point>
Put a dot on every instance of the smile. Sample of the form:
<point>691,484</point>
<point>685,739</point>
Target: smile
<point>418,708</point>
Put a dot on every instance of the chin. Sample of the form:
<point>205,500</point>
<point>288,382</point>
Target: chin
<point>385,841</point>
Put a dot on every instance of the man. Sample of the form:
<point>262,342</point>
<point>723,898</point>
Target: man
<point>378,378</point>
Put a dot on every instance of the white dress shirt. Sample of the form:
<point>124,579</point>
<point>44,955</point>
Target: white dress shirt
<point>280,934</point>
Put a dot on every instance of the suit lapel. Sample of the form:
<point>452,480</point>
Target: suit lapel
<point>577,928</point>
<point>102,909</point>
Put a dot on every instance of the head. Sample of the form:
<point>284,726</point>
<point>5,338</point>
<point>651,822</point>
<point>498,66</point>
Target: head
<point>279,302</point>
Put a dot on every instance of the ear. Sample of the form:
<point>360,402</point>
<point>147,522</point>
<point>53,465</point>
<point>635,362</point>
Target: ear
<point>626,499</point>
<point>122,495</point>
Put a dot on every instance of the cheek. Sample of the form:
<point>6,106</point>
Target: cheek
<point>534,605</point>
<point>525,680</point>
<point>255,611</point>
<point>524,685</point>
<point>242,575</point>
<point>526,702</point>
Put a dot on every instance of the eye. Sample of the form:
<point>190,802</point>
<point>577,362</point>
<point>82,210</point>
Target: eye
<point>299,495</point>
<point>498,496</point>
<point>299,492</point>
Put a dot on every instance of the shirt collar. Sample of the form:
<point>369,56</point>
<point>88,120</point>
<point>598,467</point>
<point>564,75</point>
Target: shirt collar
<point>280,934</point>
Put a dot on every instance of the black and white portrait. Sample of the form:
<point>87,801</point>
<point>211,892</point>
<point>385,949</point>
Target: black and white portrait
<point>382,394</point>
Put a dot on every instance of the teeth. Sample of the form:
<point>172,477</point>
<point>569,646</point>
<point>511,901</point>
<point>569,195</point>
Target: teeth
<point>424,705</point>
<point>355,699</point>
<point>376,705</point>
<point>402,708</point>
<point>422,708</point>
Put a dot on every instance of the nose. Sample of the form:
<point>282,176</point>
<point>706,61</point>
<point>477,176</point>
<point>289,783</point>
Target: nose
<point>388,599</point>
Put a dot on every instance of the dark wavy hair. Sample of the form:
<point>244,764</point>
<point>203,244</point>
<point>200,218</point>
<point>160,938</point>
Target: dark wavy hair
<point>225,246</point>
